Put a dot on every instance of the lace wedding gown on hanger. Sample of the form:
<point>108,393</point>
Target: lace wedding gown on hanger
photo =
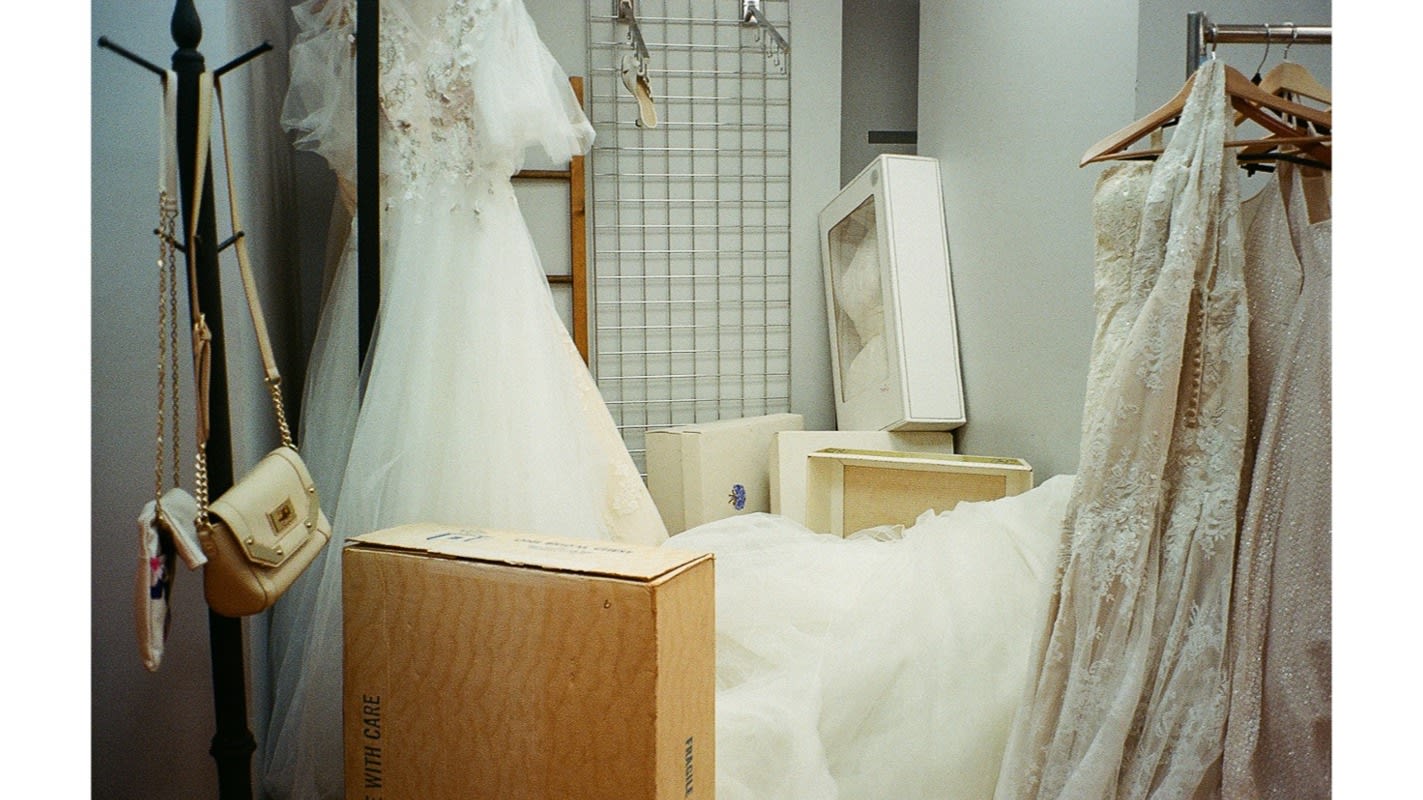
<point>477,408</point>
<point>1279,727</point>
<point>1131,677</point>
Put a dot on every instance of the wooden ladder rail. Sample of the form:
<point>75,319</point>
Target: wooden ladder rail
<point>577,277</point>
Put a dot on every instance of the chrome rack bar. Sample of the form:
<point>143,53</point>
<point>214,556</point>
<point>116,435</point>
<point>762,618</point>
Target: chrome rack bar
<point>1200,31</point>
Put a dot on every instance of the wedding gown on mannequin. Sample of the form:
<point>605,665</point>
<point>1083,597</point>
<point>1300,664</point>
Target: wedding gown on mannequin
<point>477,408</point>
<point>1131,677</point>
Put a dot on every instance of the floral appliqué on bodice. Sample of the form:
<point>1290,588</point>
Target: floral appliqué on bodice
<point>428,97</point>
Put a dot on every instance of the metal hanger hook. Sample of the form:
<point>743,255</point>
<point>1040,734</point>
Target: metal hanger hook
<point>1294,34</point>
<point>1266,55</point>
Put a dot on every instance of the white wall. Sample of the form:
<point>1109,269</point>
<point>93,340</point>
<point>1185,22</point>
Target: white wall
<point>1010,94</point>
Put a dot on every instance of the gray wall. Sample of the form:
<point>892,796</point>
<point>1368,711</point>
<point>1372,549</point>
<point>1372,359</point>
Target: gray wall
<point>1011,93</point>
<point>880,90</point>
<point>815,143</point>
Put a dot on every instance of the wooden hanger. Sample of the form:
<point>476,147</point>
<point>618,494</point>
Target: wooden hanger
<point>1288,77</point>
<point>1250,100</point>
<point>1289,80</point>
<point>1114,144</point>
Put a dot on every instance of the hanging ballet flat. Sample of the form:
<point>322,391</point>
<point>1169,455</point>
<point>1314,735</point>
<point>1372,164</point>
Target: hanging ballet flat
<point>635,79</point>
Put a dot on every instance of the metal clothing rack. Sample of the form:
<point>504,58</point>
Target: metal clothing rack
<point>1200,31</point>
<point>232,743</point>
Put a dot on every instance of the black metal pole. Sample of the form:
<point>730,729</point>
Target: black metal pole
<point>232,744</point>
<point>367,170</point>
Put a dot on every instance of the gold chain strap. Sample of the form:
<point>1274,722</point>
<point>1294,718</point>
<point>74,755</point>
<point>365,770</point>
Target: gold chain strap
<point>163,248</point>
<point>167,324</point>
<point>172,231</point>
<point>274,386</point>
<point>200,486</point>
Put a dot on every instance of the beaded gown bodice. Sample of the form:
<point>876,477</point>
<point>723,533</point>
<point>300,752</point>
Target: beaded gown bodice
<point>466,89</point>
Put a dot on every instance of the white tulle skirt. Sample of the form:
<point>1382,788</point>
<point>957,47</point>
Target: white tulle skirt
<point>858,668</point>
<point>477,411</point>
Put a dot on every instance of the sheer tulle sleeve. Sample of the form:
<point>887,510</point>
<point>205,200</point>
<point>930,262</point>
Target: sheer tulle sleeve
<point>522,96</point>
<point>320,106</point>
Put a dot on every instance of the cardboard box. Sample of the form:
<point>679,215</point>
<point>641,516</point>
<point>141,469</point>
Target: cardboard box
<point>484,664</point>
<point>893,340</point>
<point>712,470</point>
<point>850,490</point>
<point>790,449</point>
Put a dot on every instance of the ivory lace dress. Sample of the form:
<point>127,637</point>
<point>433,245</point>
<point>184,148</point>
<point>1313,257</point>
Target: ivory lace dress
<point>477,408</point>
<point>1278,734</point>
<point>1131,683</point>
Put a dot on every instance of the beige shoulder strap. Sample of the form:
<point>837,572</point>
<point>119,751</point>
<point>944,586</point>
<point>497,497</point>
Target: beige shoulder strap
<point>202,336</point>
<point>249,282</point>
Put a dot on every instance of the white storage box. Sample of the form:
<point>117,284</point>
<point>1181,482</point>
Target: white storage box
<point>850,490</point>
<point>893,340</point>
<point>713,470</point>
<point>790,449</point>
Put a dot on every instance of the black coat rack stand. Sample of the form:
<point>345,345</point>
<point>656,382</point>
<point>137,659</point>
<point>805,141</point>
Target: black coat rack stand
<point>367,171</point>
<point>232,744</point>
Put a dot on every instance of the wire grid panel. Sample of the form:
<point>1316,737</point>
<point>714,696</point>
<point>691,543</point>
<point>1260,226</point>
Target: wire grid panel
<point>690,260</point>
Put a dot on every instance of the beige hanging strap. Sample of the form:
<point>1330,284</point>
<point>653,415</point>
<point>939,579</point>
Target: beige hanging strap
<point>249,284</point>
<point>200,160</point>
<point>202,335</point>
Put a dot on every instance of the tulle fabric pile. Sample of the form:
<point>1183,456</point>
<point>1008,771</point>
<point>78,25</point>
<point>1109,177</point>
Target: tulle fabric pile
<point>863,668</point>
